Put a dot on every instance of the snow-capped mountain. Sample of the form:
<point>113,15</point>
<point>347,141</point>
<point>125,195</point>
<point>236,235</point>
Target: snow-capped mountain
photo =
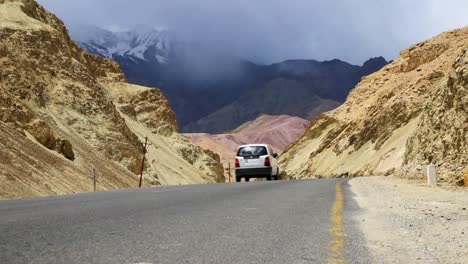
<point>140,43</point>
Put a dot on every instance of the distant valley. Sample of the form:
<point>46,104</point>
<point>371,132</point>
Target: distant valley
<point>213,93</point>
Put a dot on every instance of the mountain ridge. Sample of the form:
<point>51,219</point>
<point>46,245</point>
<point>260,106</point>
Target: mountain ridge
<point>139,43</point>
<point>278,97</point>
<point>199,84</point>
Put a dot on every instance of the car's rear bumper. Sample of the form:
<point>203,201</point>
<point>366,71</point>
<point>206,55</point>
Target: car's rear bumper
<point>253,172</point>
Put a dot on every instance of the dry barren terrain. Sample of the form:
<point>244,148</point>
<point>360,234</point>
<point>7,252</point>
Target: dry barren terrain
<point>406,221</point>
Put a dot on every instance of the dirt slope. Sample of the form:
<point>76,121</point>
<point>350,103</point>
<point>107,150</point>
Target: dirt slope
<point>411,113</point>
<point>63,112</point>
<point>277,131</point>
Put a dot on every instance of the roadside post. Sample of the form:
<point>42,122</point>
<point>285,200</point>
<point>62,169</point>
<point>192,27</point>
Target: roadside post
<point>94,177</point>
<point>431,175</point>
<point>229,171</point>
<point>145,149</point>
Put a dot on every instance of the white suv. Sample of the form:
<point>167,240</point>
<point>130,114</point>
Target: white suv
<point>256,161</point>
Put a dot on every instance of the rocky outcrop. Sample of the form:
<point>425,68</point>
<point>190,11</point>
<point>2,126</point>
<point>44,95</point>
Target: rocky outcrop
<point>148,114</point>
<point>396,121</point>
<point>22,118</point>
<point>54,93</point>
<point>443,127</point>
<point>147,106</point>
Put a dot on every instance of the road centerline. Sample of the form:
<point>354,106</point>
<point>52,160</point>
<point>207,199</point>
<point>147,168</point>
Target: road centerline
<point>336,230</point>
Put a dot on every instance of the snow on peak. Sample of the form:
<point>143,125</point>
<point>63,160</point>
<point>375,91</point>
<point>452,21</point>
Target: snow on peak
<point>142,42</point>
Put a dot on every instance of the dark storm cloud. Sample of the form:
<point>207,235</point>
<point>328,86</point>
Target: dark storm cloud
<point>274,30</point>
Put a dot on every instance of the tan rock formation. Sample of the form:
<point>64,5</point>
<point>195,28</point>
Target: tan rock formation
<point>55,95</point>
<point>411,113</point>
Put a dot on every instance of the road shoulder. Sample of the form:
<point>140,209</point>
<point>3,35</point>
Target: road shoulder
<point>406,221</point>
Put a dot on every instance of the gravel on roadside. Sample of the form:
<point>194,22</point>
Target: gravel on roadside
<point>409,222</point>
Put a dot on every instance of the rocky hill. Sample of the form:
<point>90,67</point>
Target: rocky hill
<point>411,113</point>
<point>64,112</point>
<point>277,131</point>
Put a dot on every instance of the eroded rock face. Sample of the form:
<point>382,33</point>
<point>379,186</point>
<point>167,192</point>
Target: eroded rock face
<point>215,165</point>
<point>441,137</point>
<point>19,116</point>
<point>196,155</point>
<point>65,148</point>
<point>59,94</point>
<point>151,108</point>
<point>49,73</point>
<point>141,106</point>
<point>396,121</point>
<point>421,54</point>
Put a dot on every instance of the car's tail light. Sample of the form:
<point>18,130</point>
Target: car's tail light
<point>267,162</point>
<point>237,163</point>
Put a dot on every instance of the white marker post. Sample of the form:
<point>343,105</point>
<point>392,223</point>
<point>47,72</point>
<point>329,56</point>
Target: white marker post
<point>431,175</point>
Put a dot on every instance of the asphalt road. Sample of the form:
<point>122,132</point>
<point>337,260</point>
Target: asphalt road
<point>256,222</point>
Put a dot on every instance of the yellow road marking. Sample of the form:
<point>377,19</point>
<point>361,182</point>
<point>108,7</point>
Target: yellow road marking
<point>336,230</point>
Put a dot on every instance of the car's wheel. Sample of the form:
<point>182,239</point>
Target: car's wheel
<point>247,179</point>
<point>269,178</point>
<point>238,179</point>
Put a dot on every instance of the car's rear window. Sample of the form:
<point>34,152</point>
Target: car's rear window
<point>252,151</point>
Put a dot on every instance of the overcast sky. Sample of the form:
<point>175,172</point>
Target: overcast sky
<point>273,30</point>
